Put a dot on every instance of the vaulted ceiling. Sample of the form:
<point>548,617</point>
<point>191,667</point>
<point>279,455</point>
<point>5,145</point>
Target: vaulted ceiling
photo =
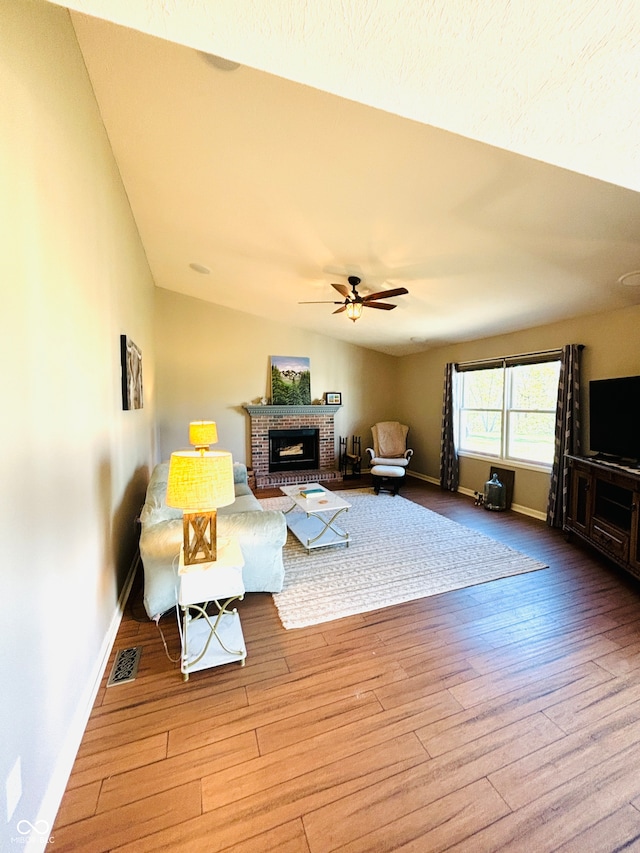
<point>488,162</point>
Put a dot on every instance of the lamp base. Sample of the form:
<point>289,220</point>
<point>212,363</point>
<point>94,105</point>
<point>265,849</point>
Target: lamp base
<point>199,535</point>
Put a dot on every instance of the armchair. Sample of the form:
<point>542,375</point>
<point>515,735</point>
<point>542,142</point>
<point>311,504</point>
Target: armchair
<point>389,456</point>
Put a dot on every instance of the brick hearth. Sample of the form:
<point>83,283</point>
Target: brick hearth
<point>265,418</point>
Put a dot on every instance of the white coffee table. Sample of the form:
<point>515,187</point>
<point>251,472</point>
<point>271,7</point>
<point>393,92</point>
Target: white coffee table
<point>315,525</point>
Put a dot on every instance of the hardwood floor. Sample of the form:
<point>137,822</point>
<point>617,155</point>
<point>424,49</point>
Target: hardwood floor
<point>503,717</point>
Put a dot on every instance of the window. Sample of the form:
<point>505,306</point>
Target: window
<point>507,411</point>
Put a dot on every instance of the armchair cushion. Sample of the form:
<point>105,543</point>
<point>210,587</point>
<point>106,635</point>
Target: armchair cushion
<point>381,460</point>
<point>387,471</point>
<point>389,439</point>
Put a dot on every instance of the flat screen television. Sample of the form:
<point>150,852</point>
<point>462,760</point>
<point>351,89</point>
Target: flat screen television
<point>614,418</point>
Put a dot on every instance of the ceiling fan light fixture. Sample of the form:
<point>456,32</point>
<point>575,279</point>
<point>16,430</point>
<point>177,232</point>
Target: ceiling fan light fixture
<point>630,279</point>
<point>352,303</point>
<point>354,310</point>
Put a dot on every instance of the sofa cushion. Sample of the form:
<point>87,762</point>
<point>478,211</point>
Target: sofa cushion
<point>240,474</point>
<point>243,503</point>
<point>155,510</point>
<point>242,489</point>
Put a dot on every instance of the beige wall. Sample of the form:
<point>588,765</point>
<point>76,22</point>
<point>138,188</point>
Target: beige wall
<point>612,348</point>
<point>212,360</point>
<point>74,465</point>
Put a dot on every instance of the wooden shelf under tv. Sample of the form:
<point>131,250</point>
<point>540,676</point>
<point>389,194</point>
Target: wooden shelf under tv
<point>604,509</point>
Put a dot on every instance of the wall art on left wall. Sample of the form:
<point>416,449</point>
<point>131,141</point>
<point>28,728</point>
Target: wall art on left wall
<point>131,361</point>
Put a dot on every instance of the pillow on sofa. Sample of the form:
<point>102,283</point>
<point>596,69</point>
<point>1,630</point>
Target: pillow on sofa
<point>155,509</point>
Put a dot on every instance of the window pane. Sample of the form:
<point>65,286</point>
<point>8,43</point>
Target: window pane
<point>531,436</point>
<point>480,432</point>
<point>526,404</point>
<point>482,389</point>
<point>535,386</point>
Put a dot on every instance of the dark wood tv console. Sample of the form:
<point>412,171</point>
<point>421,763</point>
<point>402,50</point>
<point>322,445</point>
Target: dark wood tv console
<point>604,509</point>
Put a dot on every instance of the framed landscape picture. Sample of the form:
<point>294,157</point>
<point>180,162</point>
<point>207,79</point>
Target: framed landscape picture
<point>290,381</point>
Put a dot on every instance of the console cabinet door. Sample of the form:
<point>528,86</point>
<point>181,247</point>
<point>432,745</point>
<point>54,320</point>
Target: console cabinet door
<point>604,509</point>
<point>634,549</point>
<point>580,502</point>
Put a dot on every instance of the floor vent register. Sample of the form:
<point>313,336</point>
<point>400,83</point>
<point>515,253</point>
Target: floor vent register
<point>125,666</point>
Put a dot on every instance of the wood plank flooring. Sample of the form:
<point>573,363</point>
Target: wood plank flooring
<point>503,717</point>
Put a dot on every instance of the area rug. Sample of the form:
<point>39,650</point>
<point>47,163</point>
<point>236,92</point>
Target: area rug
<point>399,551</point>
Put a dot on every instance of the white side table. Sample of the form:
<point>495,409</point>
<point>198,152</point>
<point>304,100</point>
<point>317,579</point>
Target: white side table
<point>211,640</point>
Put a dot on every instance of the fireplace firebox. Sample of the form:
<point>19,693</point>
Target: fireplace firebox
<point>293,449</point>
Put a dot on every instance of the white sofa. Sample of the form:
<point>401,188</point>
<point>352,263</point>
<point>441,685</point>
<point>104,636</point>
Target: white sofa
<point>261,534</point>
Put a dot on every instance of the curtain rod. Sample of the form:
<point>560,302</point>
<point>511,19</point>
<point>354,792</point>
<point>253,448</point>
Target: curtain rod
<point>498,358</point>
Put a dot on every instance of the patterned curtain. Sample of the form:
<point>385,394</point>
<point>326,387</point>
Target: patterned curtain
<point>567,440</point>
<point>449,471</point>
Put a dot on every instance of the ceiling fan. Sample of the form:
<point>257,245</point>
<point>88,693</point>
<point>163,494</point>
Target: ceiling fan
<point>354,303</point>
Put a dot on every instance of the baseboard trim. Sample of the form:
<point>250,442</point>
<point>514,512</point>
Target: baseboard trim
<point>523,510</point>
<point>532,513</point>
<point>423,477</point>
<point>69,748</point>
<point>464,491</point>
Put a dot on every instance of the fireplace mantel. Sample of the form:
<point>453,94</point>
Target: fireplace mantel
<point>256,411</point>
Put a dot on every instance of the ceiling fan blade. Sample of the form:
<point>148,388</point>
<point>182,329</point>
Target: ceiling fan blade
<point>342,288</point>
<point>339,310</point>
<point>386,306</point>
<point>386,294</point>
<point>321,302</point>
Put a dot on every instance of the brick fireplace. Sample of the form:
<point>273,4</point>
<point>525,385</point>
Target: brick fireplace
<point>266,419</point>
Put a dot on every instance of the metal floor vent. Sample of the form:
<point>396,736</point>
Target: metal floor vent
<point>125,666</point>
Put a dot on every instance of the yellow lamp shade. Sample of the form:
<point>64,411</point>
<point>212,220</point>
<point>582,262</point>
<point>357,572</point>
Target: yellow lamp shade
<point>200,481</point>
<point>203,433</point>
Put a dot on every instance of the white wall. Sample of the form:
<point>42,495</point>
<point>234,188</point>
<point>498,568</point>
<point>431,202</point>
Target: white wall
<point>74,465</point>
<point>212,360</point>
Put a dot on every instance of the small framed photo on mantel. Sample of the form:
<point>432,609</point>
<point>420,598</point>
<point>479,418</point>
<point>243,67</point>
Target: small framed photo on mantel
<point>333,398</point>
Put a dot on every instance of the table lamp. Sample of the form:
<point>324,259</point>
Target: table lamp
<point>199,482</point>
<point>202,434</point>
